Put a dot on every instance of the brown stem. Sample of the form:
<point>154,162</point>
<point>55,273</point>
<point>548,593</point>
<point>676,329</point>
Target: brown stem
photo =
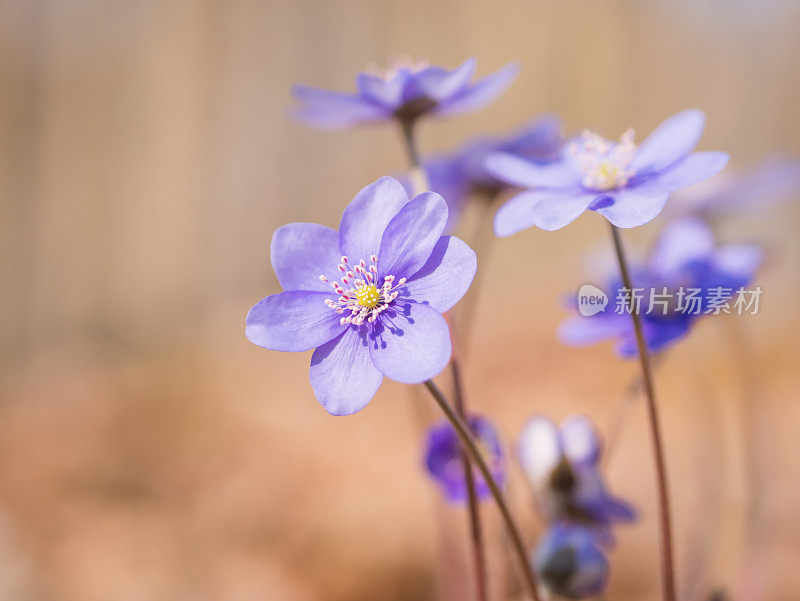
<point>419,180</point>
<point>470,447</point>
<point>667,566</point>
<point>476,531</point>
<point>420,184</point>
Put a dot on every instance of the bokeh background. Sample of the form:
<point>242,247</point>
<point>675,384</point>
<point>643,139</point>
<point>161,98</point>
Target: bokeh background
<point>149,452</point>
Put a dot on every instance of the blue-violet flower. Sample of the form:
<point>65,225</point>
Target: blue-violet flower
<point>405,91</point>
<point>369,298</point>
<point>563,466</point>
<point>686,276</point>
<point>628,185</point>
<point>570,561</point>
<point>461,174</point>
<point>443,459</point>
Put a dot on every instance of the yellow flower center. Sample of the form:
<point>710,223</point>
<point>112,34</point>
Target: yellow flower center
<point>368,296</point>
<point>607,175</point>
<point>604,165</point>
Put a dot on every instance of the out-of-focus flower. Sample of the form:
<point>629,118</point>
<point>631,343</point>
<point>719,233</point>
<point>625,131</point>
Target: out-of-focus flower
<point>774,181</point>
<point>570,562</point>
<point>444,462</point>
<point>628,185</point>
<point>462,174</point>
<point>562,464</point>
<point>686,276</point>
<point>369,298</point>
<point>404,91</point>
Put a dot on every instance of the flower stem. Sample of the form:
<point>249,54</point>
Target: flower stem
<point>419,180</point>
<point>470,447</point>
<point>420,184</point>
<point>667,566</point>
<point>476,531</point>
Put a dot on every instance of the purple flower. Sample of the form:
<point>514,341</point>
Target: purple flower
<point>626,184</point>
<point>774,181</point>
<point>405,91</point>
<point>563,466</point>
<point>570,562</point>
<point>369,298</point>
<point>686,276</point>
<point>443,458</point>
<point>462,174</point>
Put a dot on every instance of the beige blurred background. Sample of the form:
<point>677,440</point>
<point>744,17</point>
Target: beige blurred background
<point>149,452</point>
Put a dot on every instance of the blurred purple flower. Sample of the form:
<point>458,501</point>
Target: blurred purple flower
<point>405,91</point>
<point>628,185</point>
<point>383,317</point>
<point>443,458</point>
<point>570,562</point>
<point>461,174</point>
<point>774,181</point>
<point>563,466</point>
<point>685,258</point>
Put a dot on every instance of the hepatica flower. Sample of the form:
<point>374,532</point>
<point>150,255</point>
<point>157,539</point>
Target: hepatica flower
<point>686,275</point>
<point>570,561</point>
<point>461,174</point>
<point>563,466</point>
<point>405,91</point>
<point>626,184</point>
<point>444,463</point>
<point>369,298</point>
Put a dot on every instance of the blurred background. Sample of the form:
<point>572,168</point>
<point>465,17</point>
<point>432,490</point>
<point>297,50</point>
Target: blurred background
<point>148,451</point>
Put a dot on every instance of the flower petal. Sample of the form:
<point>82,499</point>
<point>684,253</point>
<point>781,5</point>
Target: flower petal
<point>481,93</point>
<point>738,261</point>
<point>585,331</point>
<point>366,217</point>
<point>540,139</point>
<point>334,110</point>
<point>695,168</point>
<point>539,449</point>
<point>671,141</point>
<point>301,252</point>
<point>387,93</point>
<point>526,174</point>
<point>342,374</point>
<point>438,83</point>
<point>774,181</point>
<point>548,210</point>
<point>292,321</point>
<point>446,277</point>
<point>680,243</point>
<point>632,207</point>
<point>579,439</point>
<point>410,343</point>
<point>411,235</point>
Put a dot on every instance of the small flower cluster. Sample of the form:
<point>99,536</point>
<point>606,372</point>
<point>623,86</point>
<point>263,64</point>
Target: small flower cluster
<point>562,464</point>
